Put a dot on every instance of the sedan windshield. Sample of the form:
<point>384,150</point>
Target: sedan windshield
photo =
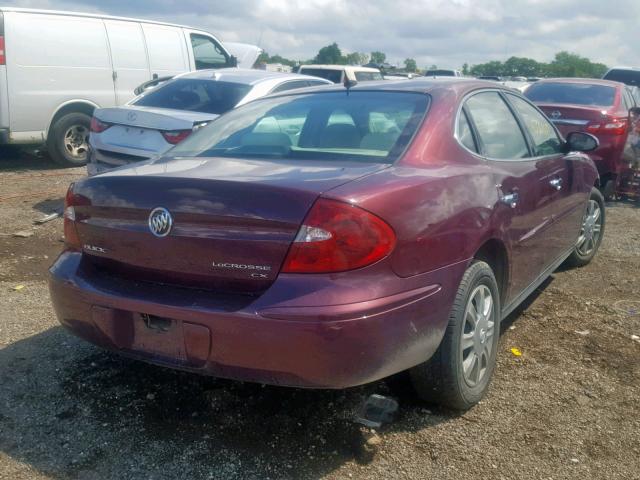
<point>195,95</point>
<point>356,126</point>
<point>572,93</point>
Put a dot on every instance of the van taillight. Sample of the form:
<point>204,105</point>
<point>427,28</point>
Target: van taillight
<point>3,55</point>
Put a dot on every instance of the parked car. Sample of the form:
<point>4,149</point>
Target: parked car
<point>627,75</point>
<point>322,239</point>
<point>600,107</point>
<point>338,73</point>
<point>57,67</point>
<point>162,117</point>
<point>443,72</point>
<point>490,77</point>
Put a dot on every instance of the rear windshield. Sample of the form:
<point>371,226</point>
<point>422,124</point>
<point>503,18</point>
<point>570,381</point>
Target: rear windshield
<point>195,95</point>
<point>439,73</point>
<point>361,126</point>
<point>630,77</point>
<point>571,93</point>
<point>334,76</point>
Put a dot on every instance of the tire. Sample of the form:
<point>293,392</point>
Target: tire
<point>68,140</point>
<point>445,378</point>
<point>581,255</point>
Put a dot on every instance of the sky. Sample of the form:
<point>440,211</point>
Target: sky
<point>446,33</point>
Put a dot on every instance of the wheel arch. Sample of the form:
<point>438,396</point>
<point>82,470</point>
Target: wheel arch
<point>494,252</point>
<point>77,105</point>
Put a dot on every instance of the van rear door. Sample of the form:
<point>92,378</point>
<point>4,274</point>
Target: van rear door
<point>205,51</point>
<point>128,57</point>
<point>167,50</point>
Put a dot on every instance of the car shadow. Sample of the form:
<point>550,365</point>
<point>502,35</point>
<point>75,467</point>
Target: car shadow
<point>71,410</point>
<point>19,159</point>
<point>50,205</point>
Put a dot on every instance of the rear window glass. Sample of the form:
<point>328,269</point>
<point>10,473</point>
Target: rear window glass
<point>334,76</point>
<point>439,73</point>
<point>362,126</point>
<point>630,77</point>
<point>195,95</point>
<point>571,93</point>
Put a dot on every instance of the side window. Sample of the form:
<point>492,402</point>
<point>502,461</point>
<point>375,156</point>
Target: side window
<point>498,129</point>
<point>464,134</point>
<point>315,83</point>
<point>283,87</point>
<point>207,53</point>
<point>544,135</point>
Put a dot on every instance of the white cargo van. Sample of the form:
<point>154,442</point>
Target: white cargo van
<point>56,67</point>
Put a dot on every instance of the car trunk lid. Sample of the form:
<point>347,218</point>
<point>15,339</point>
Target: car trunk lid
<point>233,220</point>
<point>163,119</point>
<point>573,118</point>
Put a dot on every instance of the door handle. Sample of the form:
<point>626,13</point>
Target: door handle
<point>556,183</point>
<point>510,199</point>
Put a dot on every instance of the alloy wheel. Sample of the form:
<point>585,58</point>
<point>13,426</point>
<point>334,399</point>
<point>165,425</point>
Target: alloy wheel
<point>75,141</point>
<point>478,335</point>
<point>591,229</point>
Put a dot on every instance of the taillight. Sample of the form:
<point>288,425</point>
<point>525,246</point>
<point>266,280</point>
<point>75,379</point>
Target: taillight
<point>3,55</point>
<point>336,237</point>
<point>176,136</point>
<point>71,239</point>
<point>611,125</point>
<point>98,126</point>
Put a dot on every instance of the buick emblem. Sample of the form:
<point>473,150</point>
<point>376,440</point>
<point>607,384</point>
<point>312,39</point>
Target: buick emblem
<point>556,114</point>
<point>131,116</point>
<point>160,222</point>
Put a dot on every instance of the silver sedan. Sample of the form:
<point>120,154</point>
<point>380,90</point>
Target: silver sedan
<point>160,118</point>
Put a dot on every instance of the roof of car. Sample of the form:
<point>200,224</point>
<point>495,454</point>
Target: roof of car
<point>589,81</point>
<point>355,68</point>
<point>246,76</point>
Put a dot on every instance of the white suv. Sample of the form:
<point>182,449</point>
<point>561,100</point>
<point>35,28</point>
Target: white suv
<point>338,73</point>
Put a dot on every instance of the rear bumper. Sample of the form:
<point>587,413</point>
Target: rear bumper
<point>315,346</point>
<point>103,158</point>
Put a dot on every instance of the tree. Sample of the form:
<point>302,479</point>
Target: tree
<point>378,57</point>
<point>465,69</point>
<point>522,67</point>
<point>356,58</point>
<point>410,65</point>
<point>567,64</point>
<point>331,54</point>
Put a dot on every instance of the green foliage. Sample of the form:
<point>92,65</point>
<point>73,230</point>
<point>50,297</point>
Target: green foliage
<point>331,54</point>
<point>378,57</point>
<point>564,64</point>
<point>410,65</point>
<point>266,58</point>
<point>356,58</point>
<point>465,69</point>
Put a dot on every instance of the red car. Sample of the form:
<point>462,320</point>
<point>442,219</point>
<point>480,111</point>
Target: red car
<point>600,107</point>
<point>332,237</point>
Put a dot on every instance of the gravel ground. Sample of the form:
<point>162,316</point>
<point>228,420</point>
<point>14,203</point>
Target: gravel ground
<point>566,408</point>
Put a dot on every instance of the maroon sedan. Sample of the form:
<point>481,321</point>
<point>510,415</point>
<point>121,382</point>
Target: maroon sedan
<point>600,107</point>
<point>330,237</point>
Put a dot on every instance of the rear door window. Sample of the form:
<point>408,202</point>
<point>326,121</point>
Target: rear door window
<point>572,94</point>
<point>283,87</point>
<point>630,77</point>
<point>334,76</point>
<point>545,138</point>
<point>464,133</point>
<point>195,95</point>
<point>499,132</point>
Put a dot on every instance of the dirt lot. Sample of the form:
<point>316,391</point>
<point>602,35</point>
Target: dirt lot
<point>567,408</point>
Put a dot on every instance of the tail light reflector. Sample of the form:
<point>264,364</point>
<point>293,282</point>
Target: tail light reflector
<point>174,137</point>
<point>3,55</point>
<point>71,239</point>
<point>611,125</point>
<point>98,126</point>
<point>337,237</point>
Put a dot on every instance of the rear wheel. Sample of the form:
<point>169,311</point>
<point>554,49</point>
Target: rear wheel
<point>68,139</point>
<point>459,373</point>
<point>591,231</point>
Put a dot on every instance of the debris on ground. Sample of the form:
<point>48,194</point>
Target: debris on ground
<point>516,352</point>
<point>376,410</point>
<point>23,234</point>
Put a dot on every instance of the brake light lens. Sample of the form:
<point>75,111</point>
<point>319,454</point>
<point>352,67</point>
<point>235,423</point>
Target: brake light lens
<point>174,137</point>
<point>71,239</point>
<point>98,126</point>
<point>337,237</point>
<point>611,125</point>
<point>3,55</point>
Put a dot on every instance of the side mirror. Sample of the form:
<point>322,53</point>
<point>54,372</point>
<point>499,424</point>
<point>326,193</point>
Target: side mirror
<point>233,61</point>
<point>581,142</point>
<point>634,112</point>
